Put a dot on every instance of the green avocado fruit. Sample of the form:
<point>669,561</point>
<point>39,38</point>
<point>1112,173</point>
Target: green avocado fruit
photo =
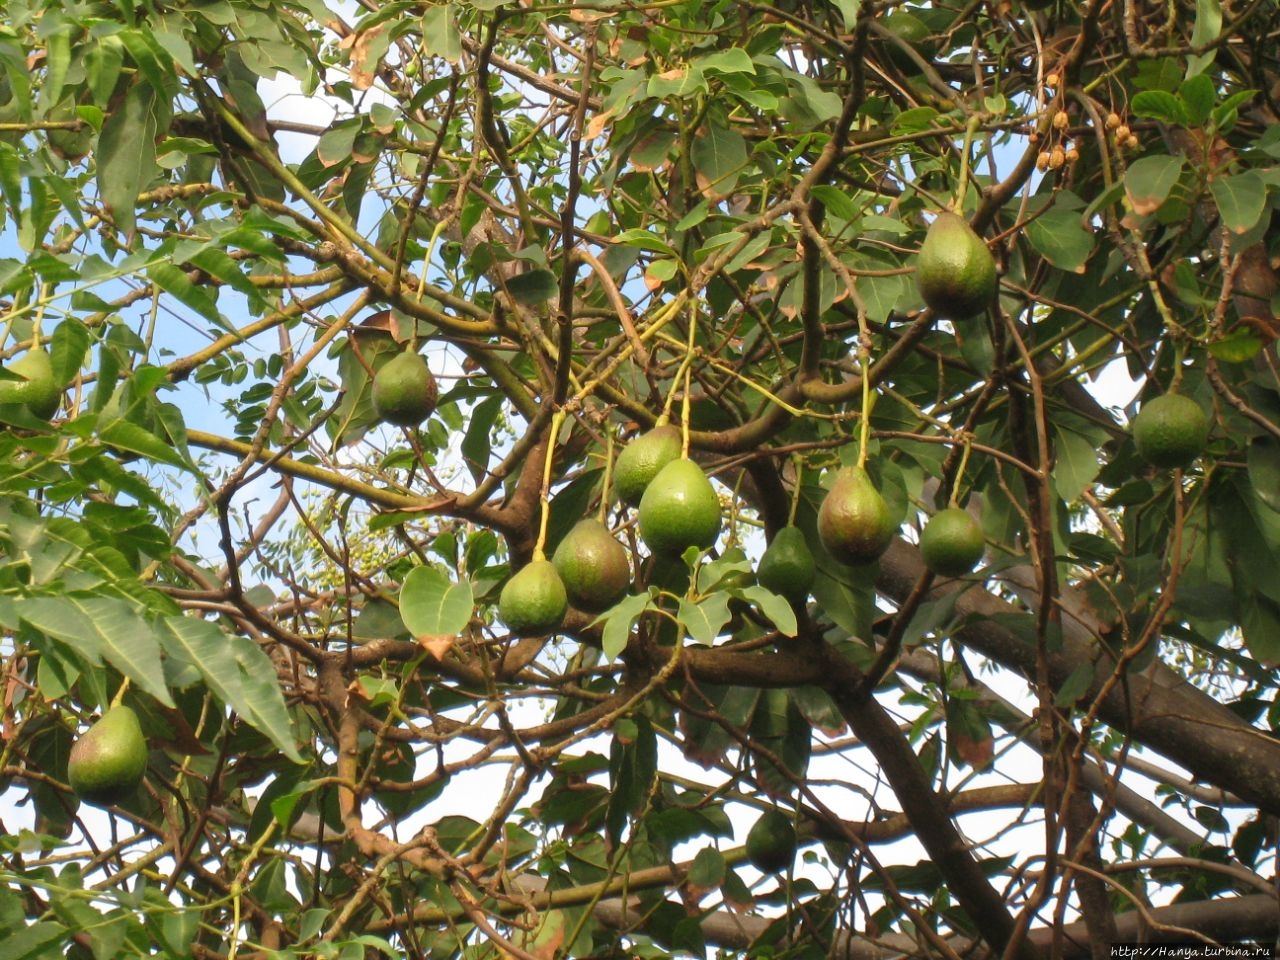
<point>109,759</point>
<point>1170,430</point>
<point>787,567</point>
<point>679,509</point>
<point>533,602</point>
<point>38,391</point>
<point>854,521</point>
<point>404,391</point>
<point>955,272</point>
<point>912,31</point>
<point>951,543</point>
<point>641,459</point>
<point>593,566</point>
<point>771,842</point>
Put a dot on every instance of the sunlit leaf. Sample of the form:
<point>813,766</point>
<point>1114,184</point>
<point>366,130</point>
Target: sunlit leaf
<point>432,604</point>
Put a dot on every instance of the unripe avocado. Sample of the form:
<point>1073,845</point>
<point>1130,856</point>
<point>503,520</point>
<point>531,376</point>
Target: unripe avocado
<point>951,543</point>
<point>109,759</point>
<point>771,842</point>
<point>533,601</point>
<point>1170,430</point>
<point>787,566</point>
<point>404,391</point>
<point>641,459</point>
<point>912,31</point>
<point>854,521</point>
<point>39,391</point>
<point>955,272</point>
<point>679,509</point>
<point>593,566</point>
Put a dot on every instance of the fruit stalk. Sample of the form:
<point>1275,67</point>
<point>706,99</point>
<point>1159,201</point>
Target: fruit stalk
<point>544,495</point>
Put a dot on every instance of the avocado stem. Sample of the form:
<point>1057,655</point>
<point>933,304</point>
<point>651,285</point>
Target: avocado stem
<point>544,496</point>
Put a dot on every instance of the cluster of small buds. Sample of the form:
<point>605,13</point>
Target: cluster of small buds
<point>1124,137</point>
<point>1063,151</point>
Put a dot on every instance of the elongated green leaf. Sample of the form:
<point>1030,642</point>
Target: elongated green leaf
<point>67,348</point>
<point>238,673</point>
<point>776,608</point>
<point>126,154</point>
<point>617,626</point>
<point>175,282</point>
<point>1208,27</point>
<point>103,628</point>
<point>432,605</point>
<point>130,437</point>
<point>34,942</point>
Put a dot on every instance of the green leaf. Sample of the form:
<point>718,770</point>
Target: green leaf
<point>67,349</point>
<point>1160,105</point>
<point>1241,200</point>
<point>432,605</point>
<point>969,739</point>
<point>678,83</point>
<point>533,286</point>
<point>719,155</point>
<point>476,446</point>
<point>440,35</point>
<point>126,154</point>
<point>175,282</point>
<point>1238,346</point>
<point>103,628</point>
<point>731,60</point>
<point>33,942</point>
<point>238,672</point>
<point>1148,182</point>
<point>776,608</point>
<point>645,240</point>
<point>132,438</point>
<point>1060,236</point>
<point>154,62</point>
<point>1263,461</point>
<point>705,618</point>
<point>1198,96</point>
<point>707,870</point>
<point>1075,465</point>
<point>618,621</point>
<point>1207,29</point>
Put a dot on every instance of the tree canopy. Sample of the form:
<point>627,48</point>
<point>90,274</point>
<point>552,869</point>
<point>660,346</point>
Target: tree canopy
<point>426,666</point>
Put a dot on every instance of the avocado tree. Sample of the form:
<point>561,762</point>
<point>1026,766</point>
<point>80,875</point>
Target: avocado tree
<point>399,399</point>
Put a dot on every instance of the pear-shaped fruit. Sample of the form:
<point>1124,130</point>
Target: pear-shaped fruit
<point>771,842</point>
<point>951,543</point>
<point>109,759</point>
<point>593,566</point>
<point>1170,430</point>
<point>533,602</point>
<point>912,31</point>
<point>679,509</point>
<point>39,391</point>
<point>955,273</point>
<point>641,459</point>
<point>854,521</point>
<point>787,567</point>
<point>404,391</point>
